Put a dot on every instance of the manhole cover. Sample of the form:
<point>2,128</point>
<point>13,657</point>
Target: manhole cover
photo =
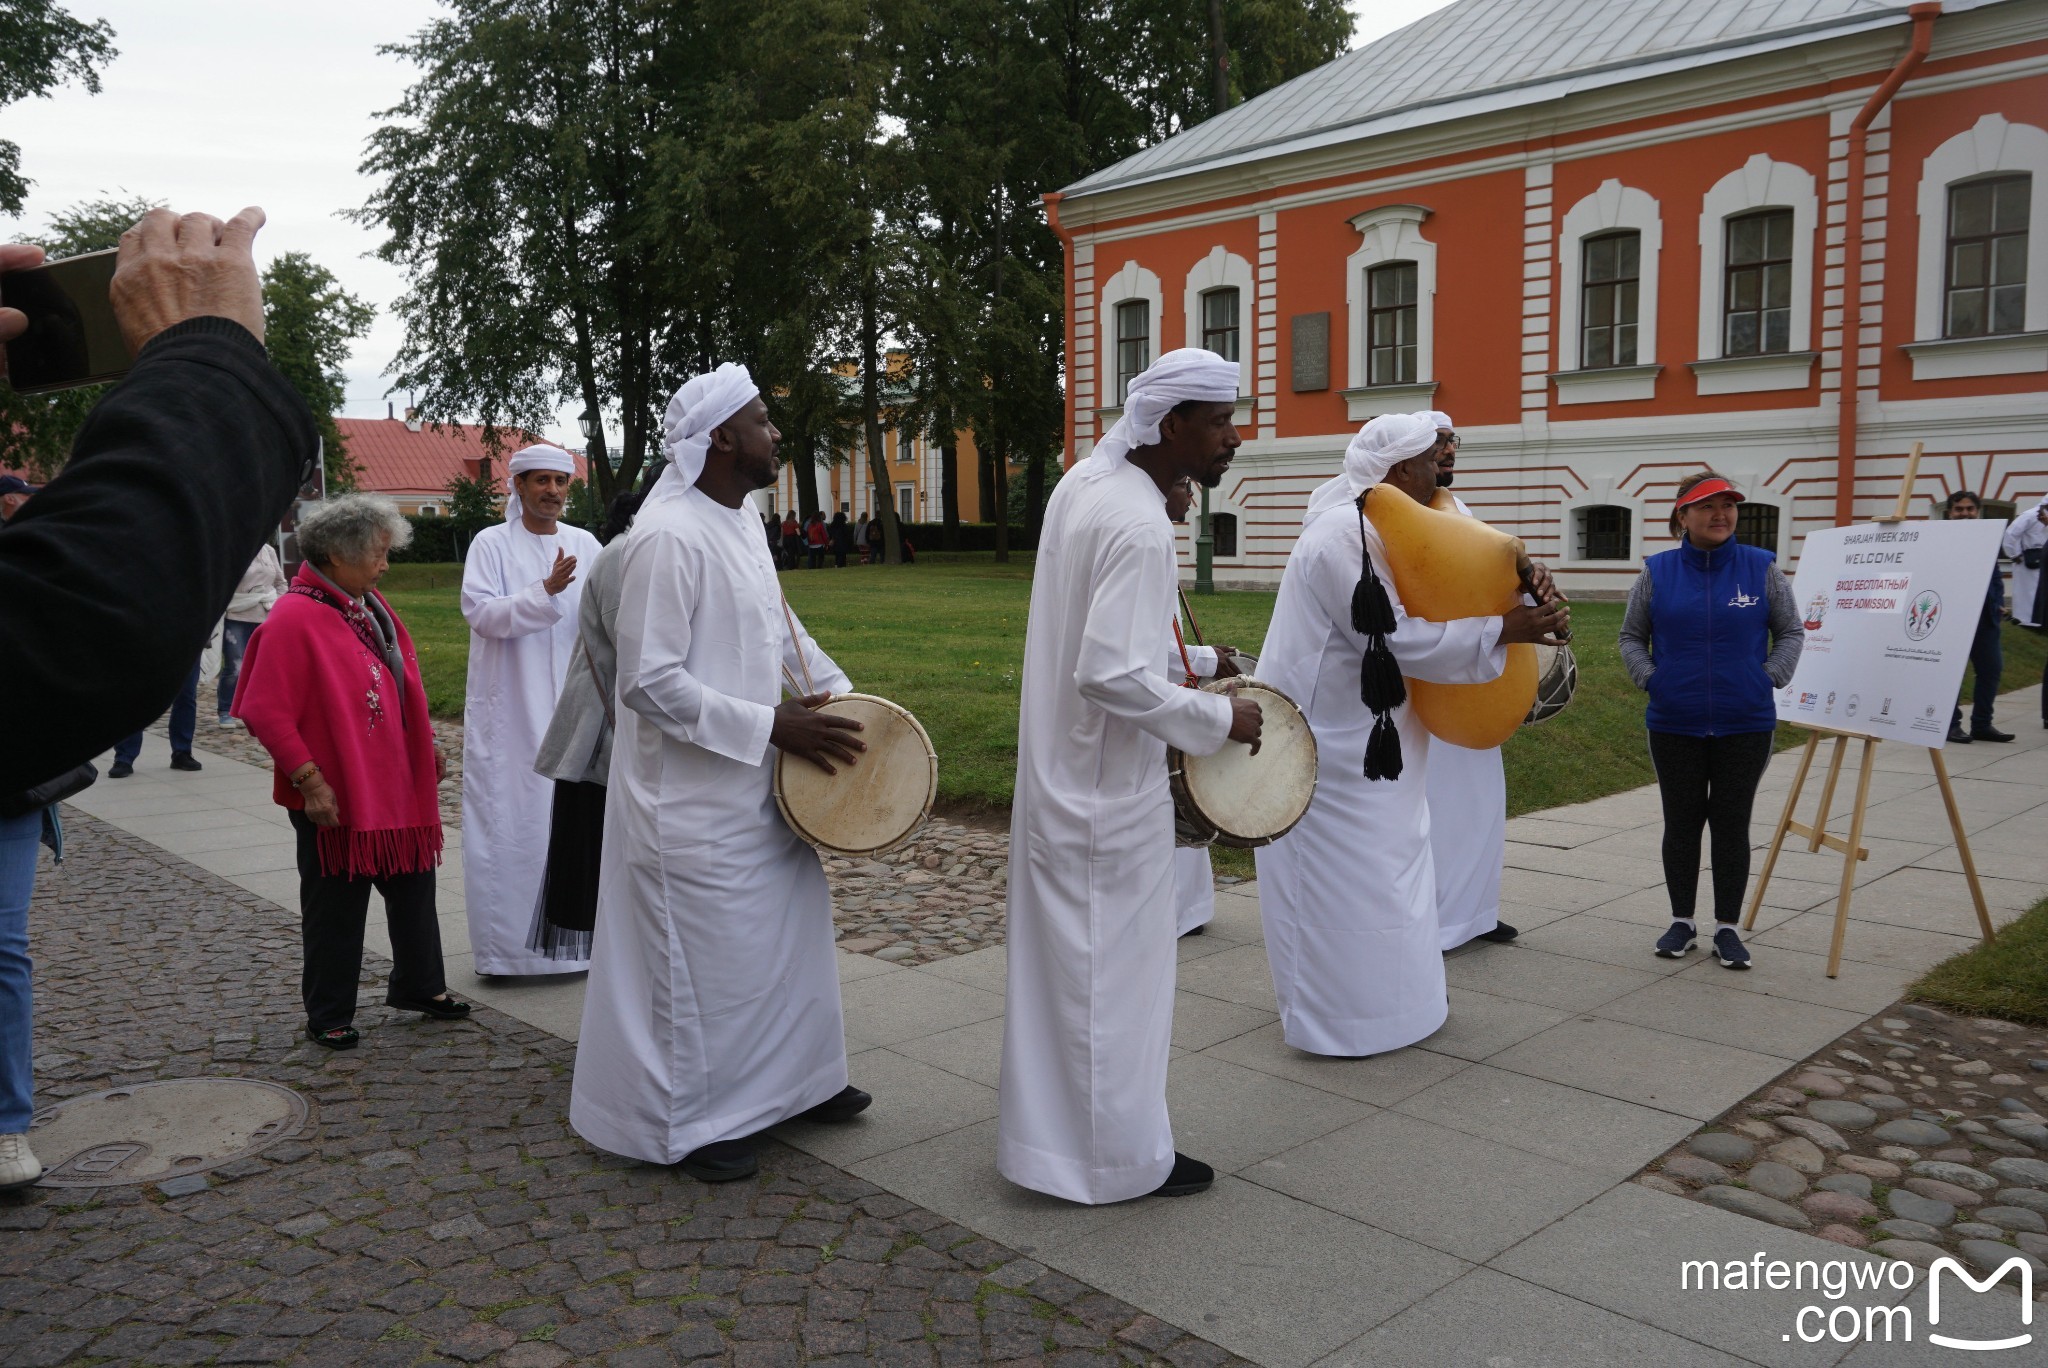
<point>152,1131</point>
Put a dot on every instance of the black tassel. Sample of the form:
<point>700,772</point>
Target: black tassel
<point>1383,750</point>
<point>1380,686</point>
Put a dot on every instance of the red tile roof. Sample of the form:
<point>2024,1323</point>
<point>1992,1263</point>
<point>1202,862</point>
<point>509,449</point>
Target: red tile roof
<point>391,458</point>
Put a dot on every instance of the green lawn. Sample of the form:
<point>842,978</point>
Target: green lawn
<point>945,638</point>
<point>2007,978</point>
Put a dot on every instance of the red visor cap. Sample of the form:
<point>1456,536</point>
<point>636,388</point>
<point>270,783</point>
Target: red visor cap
<point>1707,489</point>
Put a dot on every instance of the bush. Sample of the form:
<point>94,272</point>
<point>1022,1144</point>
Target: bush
<point>434,539</point>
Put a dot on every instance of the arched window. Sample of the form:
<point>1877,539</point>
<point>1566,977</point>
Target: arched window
<point>1608,245</point>
<point>1604,532</point>
<point>1610,281</point>
<point>1980,304</point>
<point>1133,343</point>
<point>1391,323</point>
<point>1756,281</point>
<point>1219,322</point>
<point>1223,533</point>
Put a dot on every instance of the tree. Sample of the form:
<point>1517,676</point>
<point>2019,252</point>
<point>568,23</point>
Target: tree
<point>36,430</point>
<point>309,320</point>
<point>472,504</point>
<point>43,46</point>
<point>538,193</point>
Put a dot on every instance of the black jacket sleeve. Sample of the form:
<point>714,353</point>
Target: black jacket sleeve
<point>113,575</point>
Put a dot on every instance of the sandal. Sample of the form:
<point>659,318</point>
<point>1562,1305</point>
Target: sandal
<point>442,1008</point>
<point>340,1038</point>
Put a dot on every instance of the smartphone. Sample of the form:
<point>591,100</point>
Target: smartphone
<point>73,338</point>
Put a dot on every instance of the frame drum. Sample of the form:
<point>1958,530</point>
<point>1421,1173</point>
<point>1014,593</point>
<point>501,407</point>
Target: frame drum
<point>1235,798</point>
<point>1557,679</point>
<point>872,807</point>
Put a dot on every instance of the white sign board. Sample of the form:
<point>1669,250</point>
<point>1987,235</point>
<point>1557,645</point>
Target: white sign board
<point>1890,611</point>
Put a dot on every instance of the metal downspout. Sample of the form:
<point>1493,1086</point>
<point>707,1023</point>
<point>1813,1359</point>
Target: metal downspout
<point>1923,16</point>
<point>1051,199</point>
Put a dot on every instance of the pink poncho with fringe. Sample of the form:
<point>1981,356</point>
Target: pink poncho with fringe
<point>312,689</point>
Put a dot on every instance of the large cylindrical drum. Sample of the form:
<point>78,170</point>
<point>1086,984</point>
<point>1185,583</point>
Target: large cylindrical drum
<point>874,805</point>
<point>1236,798</point>
<point>1447,566</point>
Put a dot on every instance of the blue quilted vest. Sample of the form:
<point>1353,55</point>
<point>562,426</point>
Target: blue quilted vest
<point>1710,618</point>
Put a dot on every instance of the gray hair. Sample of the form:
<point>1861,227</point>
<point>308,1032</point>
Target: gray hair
<point>349,528</point>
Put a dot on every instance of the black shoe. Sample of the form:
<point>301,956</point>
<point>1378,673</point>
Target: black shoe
<point>722,1161</point>
<point>182,760</point>
<point>1193,931</point>
<point>443,1008</point>
<point>1501,934</point>
<point>120,769</point>
<point>850,1102</point>
<point>1189,1176</point>
<point>1989,734</point>
<point>1957,736</point>
<point>339,1038</point>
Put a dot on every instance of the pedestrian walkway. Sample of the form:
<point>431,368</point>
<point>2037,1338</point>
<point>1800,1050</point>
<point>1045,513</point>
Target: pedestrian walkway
<point>1466,1200</point>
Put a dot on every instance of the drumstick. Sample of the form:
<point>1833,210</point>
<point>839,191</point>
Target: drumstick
<point>796,642</point>
<point>789,681</point>
<point>1189,609</point>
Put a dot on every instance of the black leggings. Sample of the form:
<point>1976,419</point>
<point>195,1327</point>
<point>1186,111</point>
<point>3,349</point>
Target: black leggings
<point>1708,781</point>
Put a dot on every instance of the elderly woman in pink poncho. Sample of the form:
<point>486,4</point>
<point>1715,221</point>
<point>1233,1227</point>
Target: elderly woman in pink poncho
<point>331,687</point>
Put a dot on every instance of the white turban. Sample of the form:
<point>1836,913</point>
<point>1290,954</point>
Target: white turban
<point>1440,418</point>
<point>539,456</point>
<point>1377,448</point>
<point>699,406</point>
<point>1175,378</point>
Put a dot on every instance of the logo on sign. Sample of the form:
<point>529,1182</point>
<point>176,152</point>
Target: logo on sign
<point>1855,702</point>
<point>1922,614</point>
<point>1816,610</point>
<point>1807,700</point>
<point>1886,710</point>
<point>1829,706</point>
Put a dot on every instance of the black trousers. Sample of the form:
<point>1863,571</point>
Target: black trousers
<point>332,910</point>
<point>1708,782</point>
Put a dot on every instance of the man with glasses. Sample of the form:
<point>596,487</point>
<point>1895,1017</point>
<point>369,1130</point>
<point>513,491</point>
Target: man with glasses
<point>1987,654</point>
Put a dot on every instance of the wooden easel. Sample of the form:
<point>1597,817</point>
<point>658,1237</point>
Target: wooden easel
<point>1852,849</point>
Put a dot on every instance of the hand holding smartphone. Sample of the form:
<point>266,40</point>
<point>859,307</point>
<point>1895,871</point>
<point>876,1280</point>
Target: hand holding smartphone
<point>72,337</point>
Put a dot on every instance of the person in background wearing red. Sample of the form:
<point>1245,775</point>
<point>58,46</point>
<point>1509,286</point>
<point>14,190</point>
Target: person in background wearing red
<point>816,540</point>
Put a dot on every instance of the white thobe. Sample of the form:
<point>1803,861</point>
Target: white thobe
<point>1468,833</point>
<point>1194,877</point>
<point>521,640</point>
<point>2022,534</point>
<point>1348,897</point>
<point>1091,915</point>
<point>713,1005</point>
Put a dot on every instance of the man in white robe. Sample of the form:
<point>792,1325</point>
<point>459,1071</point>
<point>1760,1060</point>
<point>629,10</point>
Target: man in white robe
<point>519,596</point>
<point>1468,798</point>
<point>2027,532</point>
<point>1348,897</point>
<point>1091,915</point>
<point>712,1011</point>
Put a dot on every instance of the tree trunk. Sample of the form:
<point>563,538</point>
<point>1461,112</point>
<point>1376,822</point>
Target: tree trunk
<point>871,407</point>
<point>1219,89</point>
<point>804,466</point>
<point>949,488</point>
<point>1034,497</point>
<point>987,470</point>
<point>1000,459</point>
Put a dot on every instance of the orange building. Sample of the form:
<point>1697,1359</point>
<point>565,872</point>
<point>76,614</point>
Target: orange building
<point>1609,238</point>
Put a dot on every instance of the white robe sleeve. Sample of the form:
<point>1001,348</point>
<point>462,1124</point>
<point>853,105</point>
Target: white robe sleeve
<point>495,609</point>
<point>1467,651</point>
<point>1201,658</point>
<point>2015,540</point>
<point>657,609</point>
<point>1116,669</point>
<point>804,652</point>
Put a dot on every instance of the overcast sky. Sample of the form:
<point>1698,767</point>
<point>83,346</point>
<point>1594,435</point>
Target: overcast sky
<point>234,102</point>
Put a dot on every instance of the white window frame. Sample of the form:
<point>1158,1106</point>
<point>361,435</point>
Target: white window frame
<point>1992,145</point>
<point>1759,183</point>
<point>1392,232</point>
<point>1602,494</point>
<point>1612,208</point>
<point>1224,269</point>
<point>1130,282</point>
<point>906,492</point>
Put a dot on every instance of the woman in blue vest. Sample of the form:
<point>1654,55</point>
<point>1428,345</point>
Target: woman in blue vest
<point>1711,630</point>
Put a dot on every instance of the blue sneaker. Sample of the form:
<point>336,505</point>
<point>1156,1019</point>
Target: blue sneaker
<point>1729,949</point>
<point>1674,943</point>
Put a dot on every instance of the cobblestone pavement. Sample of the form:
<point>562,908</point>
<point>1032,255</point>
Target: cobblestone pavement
<point>940,895</point>
<point>438,1208</point>
<point>1917,1135</point>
